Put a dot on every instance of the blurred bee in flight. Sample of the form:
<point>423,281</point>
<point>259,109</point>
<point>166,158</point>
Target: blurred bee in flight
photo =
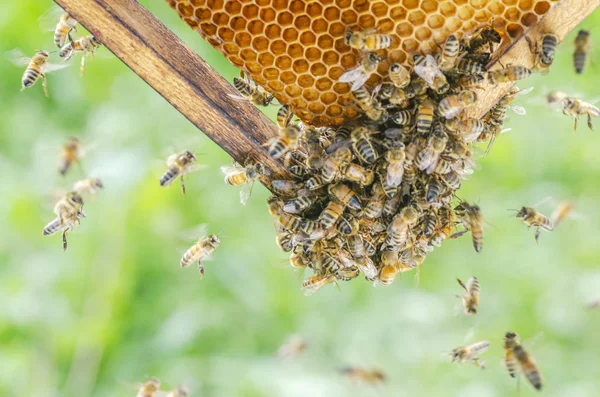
<point>562,211</point>
<point>88,186</point>
<point>72,152</point>
<point>470,298</point>
<point>237,175</point>
<point>576,107</point>
<point>470,353</point>
<point>37,68</point>
<point>68,211</point>
<point>532,217</point>
<point>200,251</point>
<point>292,348</point>
<point>179,164</point>
<point>518,361</point>
<point>85,45</point>
<point>149,388</point>
<point>582,49</point>
<point>374,377</point>
<point>55,19</point>
<point>360,74</point>
<point>254,94</point>
<point>179,391</point>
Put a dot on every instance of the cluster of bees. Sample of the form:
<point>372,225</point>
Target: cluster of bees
<point>151,388</point>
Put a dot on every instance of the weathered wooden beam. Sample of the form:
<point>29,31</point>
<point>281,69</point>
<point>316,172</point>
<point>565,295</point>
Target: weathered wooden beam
<point>560,20</point>
<point>182,77</point>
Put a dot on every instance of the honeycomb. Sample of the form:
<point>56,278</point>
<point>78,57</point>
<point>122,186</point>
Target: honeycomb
<point>295,49</point>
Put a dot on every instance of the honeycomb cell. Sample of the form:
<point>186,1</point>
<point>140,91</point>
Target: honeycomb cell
<point>238,24</point>
<point>410,45</point>
<point>297,6</point>
<point>285,19</point>
<point>314,10</point>
<point>260,43</point>
<point>398,14</point>
<point>429,6</point>
<point>410,4</point>
<point>316,107</point>
<point>496,8</point>
<point>361,5</point>
<point>254,68</point>
<point>308,38</point>
<point>278,47</point>
<point>481,16</point>
<point>226,34</point>
<point>280,4</point>
<point>337,29</point>
<point>447,9</point>
<point>525,5</point>
<point>300,66</point>
<point>185,10</point>
<point>343,3</point>
<point>250,11</point>
<point>256,27</point>
<point>293,91</point>
<point>331,58</point>
<point>435,21</point>
<point>275,86</point>
<point>326,42</point>
<point>318,69</point>
<point>348,61</point>
<point>283,62</point>
<point>512,14</point>
<point>233,7</point>
<point>266,59</point>
<point>529,19</point>
<point>288,77</point>
<point>478,4</point>
<point>220,19</point>
<point>465,13</point>
<point>542,7</point>
<point>267,15</point>
<point>319,26</point>
<point>328,97</point>
<point>379,10</point>
<point>334,110</point>
<point>332,14</point>
<point>208,29</point>
<point>514,30</point>
<point>416,17</point>
<point>248,55</point>
<point>302,22</point>
<point>310,94</point>
<point>423,33</point>
<point>334,74</point>
<point>366,21</point>
<point>386,26</point>
<point>471,26</point>
<point>397,56</point>
<point>296,50</point>
<point>453,24</point>
<point>290,35</point>
<point>510,2</point>
<point>405,29</point>
<point>271,73</point>
<point>312,54</point>
<point>214,5</point>
<point>349,17</point>
<point>231,49</point>
<point>203,15</point>
<point>299,104</point>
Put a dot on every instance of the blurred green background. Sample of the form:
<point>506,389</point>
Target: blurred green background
<point>116,308</point>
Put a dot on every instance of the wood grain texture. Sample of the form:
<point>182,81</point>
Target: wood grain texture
<point>560,20</point>
<point>182,77</point>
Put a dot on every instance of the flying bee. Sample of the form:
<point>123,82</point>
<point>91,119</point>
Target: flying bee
<point>367,40</point>
<point>472,219</point>
<point>372,377</point>
<point>179,164</point>
<point>331,214</point>
<point>334,163</point>
<point>576,107</point>
<point>200,251</point>
<point>556,99</point>
<point>562,212</point>
<point>427,68</point>
<point>362,146</point>
<point>452,105</point>
<point>316,282</point>
<point>62,28</point>
<point>254,94</point>
<point>533,218</point>
<point>88,186</point>
<point>37,68</point>
<point>428,157</point>
<point>344,194</point>
<point>86,45</point>
<point>179,391</point>
<point>397,231</point>
<point>470,298</point>
<point>71,152</point>
<point>284,116</point>
<point>544,50</point>
<point>293,347</point>
<point>288,140</point>
<point>356,173</point>
<point>399,75</point>
<point>447,58</point>
<point>360,74</point>
<point>68,211</point>
<point>470,353</point>
<point>518,360</point>
<point>149,388</point>
<point>510,73</point>
<point>237,175</point>
<point>425,118</point>
<point>582,49</point>
<point>470,67</point>
<point>394,172</point>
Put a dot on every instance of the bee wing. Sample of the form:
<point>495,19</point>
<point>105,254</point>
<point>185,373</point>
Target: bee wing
<point>520,110</point>
<point>525,91</point>
<point>232,170</point>
<point>246,192</point>
<point>52,67</point>
<point>238,97</point>
<point>50,18</point>
<point>17,57</point>
<point>193,233</point>
<point>352,75</point>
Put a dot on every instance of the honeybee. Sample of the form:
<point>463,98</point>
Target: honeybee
<point>367,267</point>
<point>37,68</point>
<point>427,68</point>
<point>367,103</point>
<point>314,149</point>
<point>397,231</point>
<point>469,129</point>
<point>399,75</point>
<point>68,211</point>
<point>345,195</point>
<point>331,214</point>
<point>66,23</point>
<point>316,282</point>
<point>367,40</point>
<point>372,377</point>
<point>179,391</point>
<point>86,44</point>
<point>149,388</point>
<point>334,163</point>
<point>472,219</point>
<point>434,189</point>
<point>582,49</point>
<point>179,164</point>
<point>284,116</point>
<point>290,222</point>
<point>302,202</point>
<point>555,99</point>
<point>287,140</point>
<point>518,360</point>
<point>285,187</point>
<point>254,94</point>
<point>359,75</point>
<point>470,353</point>
<point>88,186</point>
<point>470,298</point>
<point>200,251</point>
<point>237,175</point>
<point>374,207</point>
<point>576,107</point>
<point>71,152</point>
<point>425,118</point>
<point>470,67</point>
<point>562,212</point>
<point>471,80</point>
<point>510,73</point>
<point>544,50</point>
<point>451,179</point>
<point>356,173</point>
<point>533,218</point>
<point>447,58</point>
<point>293,347</point>
<point>387,273</point>
<point>362,146</point>
<point>452,105</point>
<point>428,157</point>
<point>394,171</point>
<point>403,117</point>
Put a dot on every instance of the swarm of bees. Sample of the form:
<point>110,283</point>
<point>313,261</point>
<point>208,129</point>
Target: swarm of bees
<point>376,195</point>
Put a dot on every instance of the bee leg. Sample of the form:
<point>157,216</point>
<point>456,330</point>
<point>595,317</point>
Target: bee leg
<point>45,85</point>
<point>182,185</point>
<point>575,119</point>
<point>201,269</point>
<point>458,234</point>
<point>82,68</point>
<point>590,122</point>
<point>537,235</point>
<point>64,239</point>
